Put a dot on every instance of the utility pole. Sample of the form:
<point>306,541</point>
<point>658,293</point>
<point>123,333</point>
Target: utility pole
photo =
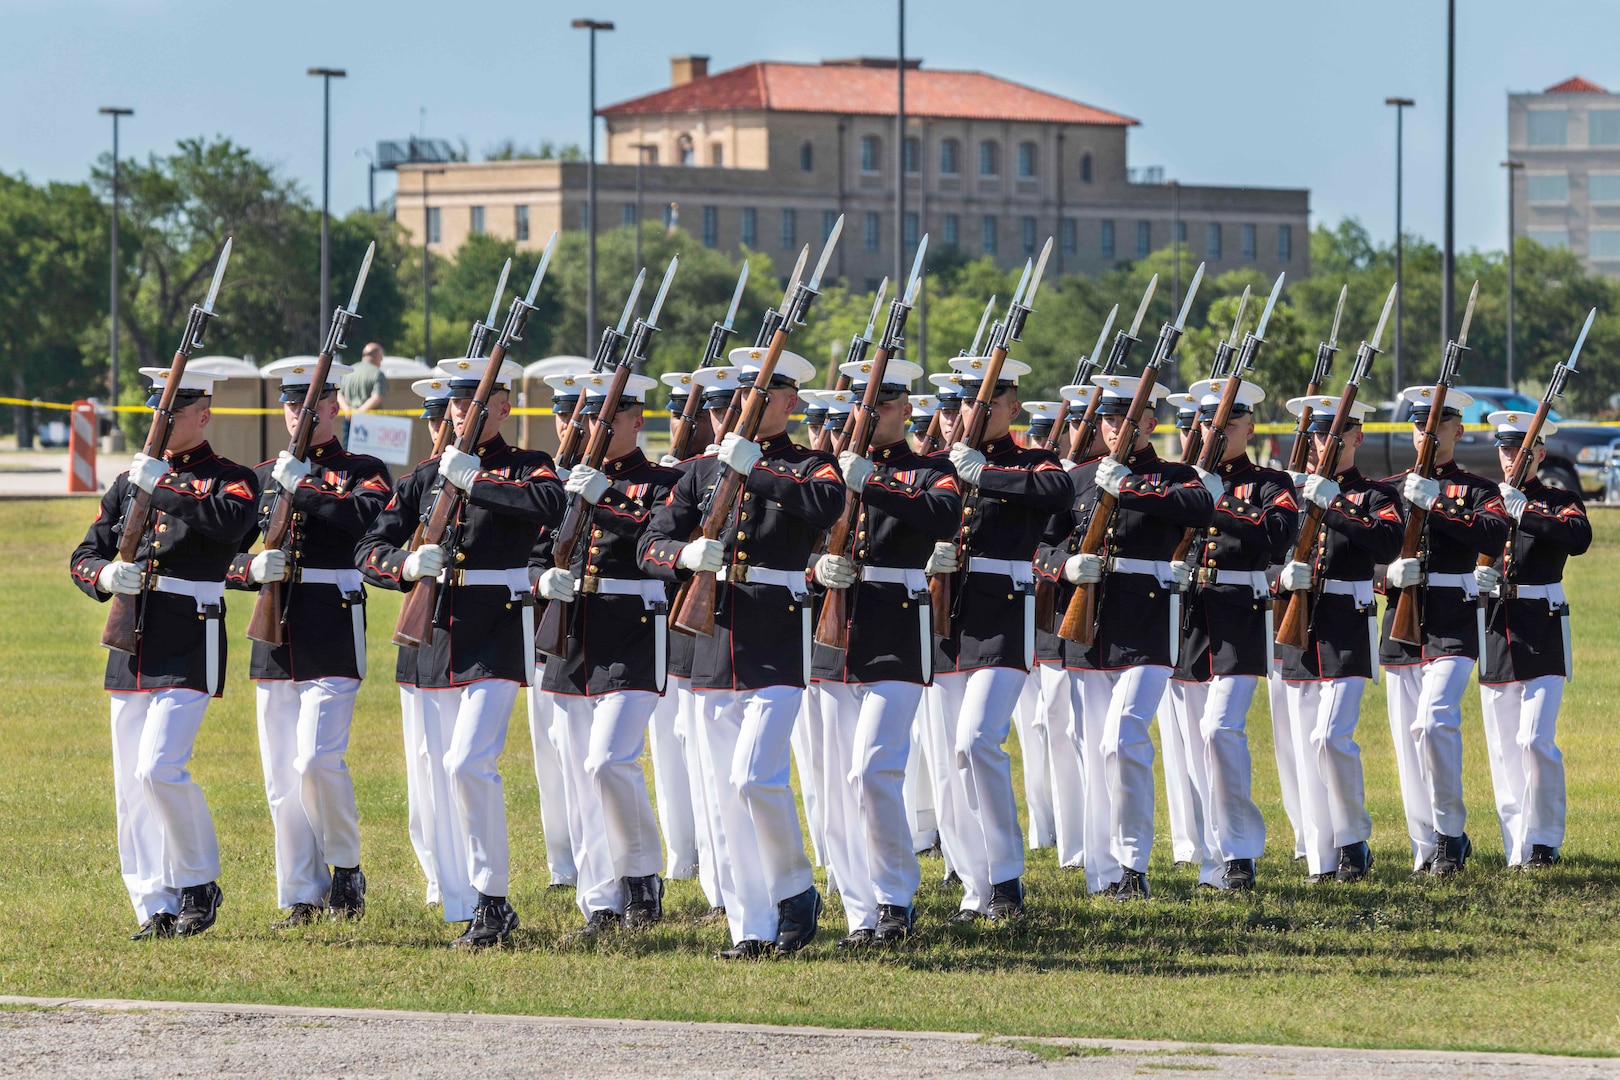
<point>115,437</point>
<point>1512,168</point>
<point>1401,105</point>
<point>592,25</point>
<point>900,152</point>
<point>1449,270</point>
<point>326,76</point>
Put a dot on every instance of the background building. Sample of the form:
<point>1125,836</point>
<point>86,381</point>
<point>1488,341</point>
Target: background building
<point>767,155</point>
<point>1568,137</point>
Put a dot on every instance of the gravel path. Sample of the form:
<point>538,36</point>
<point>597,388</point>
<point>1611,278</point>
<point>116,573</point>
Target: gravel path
<point>116,1039</point>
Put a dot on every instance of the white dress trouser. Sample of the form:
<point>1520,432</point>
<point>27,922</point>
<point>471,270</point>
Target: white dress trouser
<point>1065,767</point>
<point>303,735</point>
<point>1178,789</point>
<point>1189,730</point>
<point>166,836</point>
<point>706,825</point>
<point>1332,793</point>
<point>979,705</point>
<point>602,741</point>
<point>807,760</point>
<point>919,788</point>
<point>868,743</point>
<point>1282,745</point>
<point>1030,721</point>
<point>1425,720</point>
<point>548,777</point>
<point>950,799</point>
<point>418,788</point>
<point>1221,707</point>
<point>444,835</point>
<point>482,711</point>
<point>1527,769</point>
<point>673,787</point>
<point>745,738</point>
<point>1115,709</point>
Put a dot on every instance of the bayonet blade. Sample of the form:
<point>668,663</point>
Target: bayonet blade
<point>793,282</point>
<point>663,291</point>
<point>1102,338</point>
<point>219,275</point>
<point>1040,272</point>
<point>1237,323</point>
<point>826,253</point>
<point>1468,315</point>
<point>1271,302</point>
<point>978,335</point>
<point>915,281</point>
<point>630,304</point>
<point>360,282</point>
<point>1338,314</point>
<point>500,291</point>
<point>1389,303</point>
<point>1023,283</point>
<point>1141,309</point>
<point>540,271</point>
<point>877,304</point>
<point>1576,351</point>
<point>1192,291</point>
<point>736,297</point>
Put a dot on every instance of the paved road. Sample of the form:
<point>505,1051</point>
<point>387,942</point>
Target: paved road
<point>114,1039</point>
<point>44,472</point>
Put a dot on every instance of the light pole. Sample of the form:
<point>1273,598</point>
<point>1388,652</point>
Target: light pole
<point>371,179</point>
<point>1448,269</point>
<point>1512,168</point>
<point>900,154</point>
<point>641,149</point>
<point>1175,244</point>
<point>1401,105</point>
<point>592,25</point>
<point>115,437</point>
<point>326,76</point>
<point>427,274</point>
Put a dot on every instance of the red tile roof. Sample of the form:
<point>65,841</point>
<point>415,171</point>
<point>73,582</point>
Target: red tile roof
<point>826,88</point>
<point>1576,85</point>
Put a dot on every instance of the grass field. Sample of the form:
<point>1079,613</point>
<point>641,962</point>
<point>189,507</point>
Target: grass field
<point>1492,961</point>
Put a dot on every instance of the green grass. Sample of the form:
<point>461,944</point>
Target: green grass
<point>1493,961</point>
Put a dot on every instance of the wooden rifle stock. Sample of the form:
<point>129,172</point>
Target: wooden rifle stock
<point>1299,456</point>
<point>1207,455</point>
<point>1408,626</point>
<point>1521,468</point>
<point>1293,627</point>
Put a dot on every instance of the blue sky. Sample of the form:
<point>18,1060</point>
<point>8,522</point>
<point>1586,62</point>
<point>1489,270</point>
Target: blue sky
<point>1265,92</point>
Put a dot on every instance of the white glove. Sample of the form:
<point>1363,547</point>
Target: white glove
<point>1487,578</point>
<point>857,470</point>
<point>1083,569</point>
<point>1513,500</point>
<point>1295,576</point>
<point>1404,573</point>
<point>563,474</point>
<point>945,559</point>
<point>738,454</point>
<point>458,468</point>
<point>268,565</point>
<point>702,554</point>
<point>1212,484</point>
<point>289,471</point>
<point>1421,491</point>
<point>835,572</point>
<point>557,584</point>
<point>1068,466</point>
<point>426,561</point>
<point>119,577</point>
<point>969,463</point>
<point>669,461</point>
<point>588,483</point>
<point>145,472</point>
<point>1181,573</point>
<point>1300,479</point>
<point>1319,491</point>
<point>1110,474</point>
<point>711,450</point>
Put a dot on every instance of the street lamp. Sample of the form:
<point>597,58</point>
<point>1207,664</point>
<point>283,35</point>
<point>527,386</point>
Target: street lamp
<point>115,437</point>
<point>900,150</point>
<point>326,76</point>
<point>1448,268</point>
<point>1512,168</point>
<point>593,25</point>
<point>427,274</point>
<point>641,149</point>
<point>371,178</point>
<point>1401,105</point>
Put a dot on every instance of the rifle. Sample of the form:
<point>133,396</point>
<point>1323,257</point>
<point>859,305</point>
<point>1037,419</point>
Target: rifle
<point>694,611</point>
<point>1210,453</point>
<point>682,426</point>
<point>774,321</point>
<point>938,436</point>
<point>552,636</point>
<point>1300,455</point>
<point>1080,620</point>
<point>269,618</point>
<point>1225,351</point>
<point>970,430</point>
<point>123,629</point>
<point>827,439</point>
<point>415,624</point>
<point>1084,369</point>
<point>1293,628</point>
<point>1408,626</point>
<point>1118,353</point>
<point>607,353</point>
<point>832,628</point>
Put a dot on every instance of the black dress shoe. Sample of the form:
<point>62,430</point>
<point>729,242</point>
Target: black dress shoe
<point>602,922</point>
<point>966,917</point>
<point>1006,900</point>
<point>894,923</point>
<point>1354,862</point>
<point>348,893</point>
<point>748,949</point>
<point>1133,885</point>
<point>951,880</point>
<point>1450,855</point>
<point>857,939</point>
<point>645,901</point>
<point>1238,876</point>
<point>160,925</point>
<point>492,924</point>
<point>713,915</point>
<point>1542,857</point>
<point>300,915</point>
<point>798,918</point>
<point>199,907</point>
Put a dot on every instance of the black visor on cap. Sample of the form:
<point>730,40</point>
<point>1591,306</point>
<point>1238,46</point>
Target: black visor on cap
<point>298,391</point>
<point>1184,420</point>
<point>1113,406</point>
<point>778,381</point>
<point>886,391</point>
<point>719,398</point>
<point>970,387</point>
<point>466,388</point>
<point>1420,413</point>
<point>1322,423</point>
<point>182,398</point>
<point>434,408</point>
<point>1512,438</point>
<point>1206,413</point>
<point>677,401</point>
<point>593,404</point>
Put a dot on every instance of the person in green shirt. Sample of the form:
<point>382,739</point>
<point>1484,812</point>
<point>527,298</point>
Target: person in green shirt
<point>363,388</point>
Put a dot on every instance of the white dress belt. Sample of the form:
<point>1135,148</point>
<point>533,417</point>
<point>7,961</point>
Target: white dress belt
<point>1153,568</point>
<point>1465,582</point>
<point>347,580</point>
<point>1254,579</point>
<point>793,581</point>
<point>516,578</point>
<point>911,577</point>
<point>1553,593</point>
<point>1022,573</point>
<point>1362,591</point>
<point>651,591</point>
<point>204,592</point>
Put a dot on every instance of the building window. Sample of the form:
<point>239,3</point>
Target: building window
<point>717,155</point>
<point>475,219</point>
<point>1603,127</point>
<point>1085,168</point>
<point>871,154</point>
<point>1107,237</point>
<point>950,230</point>
<point>807,157</point>
<point>627,215</point>
<point>711,226</point>
<point>1068,236</point>
<point>1546,127</point>
<point>1603,187</point>
<point>1212,241</point>
<point>873,231</point>
<point>748,227</point>
<point>1603,243</point>
<point>520,222</point>
<point>1250,244</point>
<point>685,145</point>
<point>950,157</point>
<point>1026,234</point>
<point>1285,243</point>
<point>790,229</point>
<point>912,151</point>
<point>987,235</point>
<point>829,219</point>
<point>650,154</point>
<point>910,229</point>
<point>989,159</point>
<point>1144,239</point>
<point>1553,238</point>
<point>1026,160</point>
<point>1181,232</point>
<point>1547,187</point>
<point>433,224</point>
